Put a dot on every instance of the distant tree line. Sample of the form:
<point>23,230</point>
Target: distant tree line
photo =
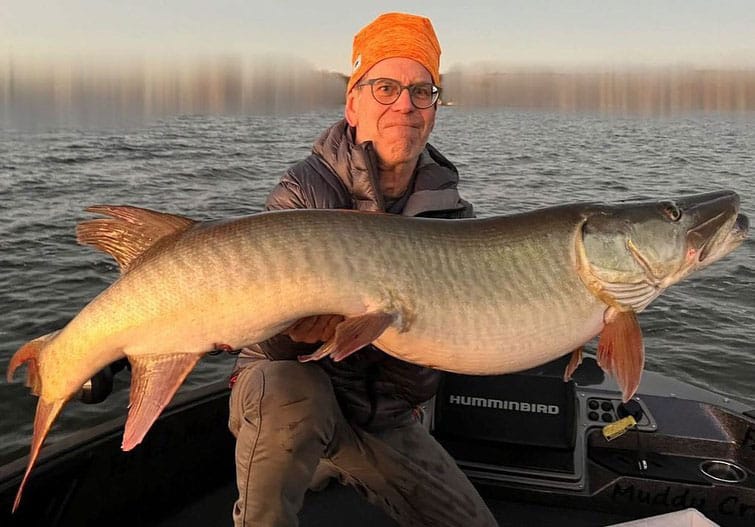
<point>99,93</point>
<point>649,91</point>
<point>83,93</point>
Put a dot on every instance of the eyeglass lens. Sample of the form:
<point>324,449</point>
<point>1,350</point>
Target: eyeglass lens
<point>387,91</point>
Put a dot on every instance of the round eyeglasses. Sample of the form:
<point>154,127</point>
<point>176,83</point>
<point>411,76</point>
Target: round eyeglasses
<point>387,91</point>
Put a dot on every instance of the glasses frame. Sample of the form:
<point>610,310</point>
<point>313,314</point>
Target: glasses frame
<point>410,87</point>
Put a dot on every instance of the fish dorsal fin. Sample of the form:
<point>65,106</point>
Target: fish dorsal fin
<point>129,231</point>
<point>621,351</point>
<point>154,380</point>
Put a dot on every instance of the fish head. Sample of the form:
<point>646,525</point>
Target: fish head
<point>631,252</point>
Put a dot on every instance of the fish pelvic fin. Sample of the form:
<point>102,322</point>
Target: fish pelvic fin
<point>43,420</point>
<point>621,351</point>
<point>129,231</point>
<point>28,354</point>
<point>154,381</point>
<point>574,362</point>
<point>352,334</point>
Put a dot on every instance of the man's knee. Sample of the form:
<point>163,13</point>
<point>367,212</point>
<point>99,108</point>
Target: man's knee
<point>285,397</point>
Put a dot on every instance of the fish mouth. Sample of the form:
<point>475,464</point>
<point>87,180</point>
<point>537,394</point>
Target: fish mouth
<point>731,239</point>
<point>717,226</point>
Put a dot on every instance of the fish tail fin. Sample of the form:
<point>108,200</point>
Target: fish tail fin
<point>28,354</point>
<point>43,419</point>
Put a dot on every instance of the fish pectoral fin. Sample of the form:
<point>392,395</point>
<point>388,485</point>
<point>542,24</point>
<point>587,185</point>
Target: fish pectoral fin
<point>46,413</point>
<point>352,334</point>
<point>154,381</point>
<point>574,362</point>
<point>621,351</point>
<point>129,231</point>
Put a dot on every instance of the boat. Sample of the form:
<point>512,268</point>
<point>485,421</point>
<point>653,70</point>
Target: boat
<point>541,451</point>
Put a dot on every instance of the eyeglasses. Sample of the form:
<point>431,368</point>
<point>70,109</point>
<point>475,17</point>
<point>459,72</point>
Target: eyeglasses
<point>387,91</point>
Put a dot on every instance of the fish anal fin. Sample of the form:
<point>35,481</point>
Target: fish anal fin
<point>621,351</point>
<point>129,231</point>
<point>574,362</point>
<point>352,334</point>
<point>46,413</point>
<point>28,354</point>
<point>154,381</point>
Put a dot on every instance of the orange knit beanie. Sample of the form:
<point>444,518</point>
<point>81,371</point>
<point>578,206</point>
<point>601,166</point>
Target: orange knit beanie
<point>395,35</point>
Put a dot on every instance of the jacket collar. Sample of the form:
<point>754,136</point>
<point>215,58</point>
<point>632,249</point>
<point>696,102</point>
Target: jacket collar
<point>435,183</point>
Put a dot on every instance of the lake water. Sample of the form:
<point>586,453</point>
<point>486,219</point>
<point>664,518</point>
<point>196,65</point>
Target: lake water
<point>701,331</point>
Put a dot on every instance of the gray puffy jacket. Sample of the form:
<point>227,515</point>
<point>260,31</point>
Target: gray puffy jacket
<point>372,387</point>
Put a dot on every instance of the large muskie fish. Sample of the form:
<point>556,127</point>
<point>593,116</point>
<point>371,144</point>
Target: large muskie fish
<point>481,296</point>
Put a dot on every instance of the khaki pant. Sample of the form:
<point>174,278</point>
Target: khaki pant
<point>286,420</point>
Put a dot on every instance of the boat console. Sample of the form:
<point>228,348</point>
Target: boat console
<point>538,437</point>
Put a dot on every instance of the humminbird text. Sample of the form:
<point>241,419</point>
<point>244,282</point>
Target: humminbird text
<point>498,404</point>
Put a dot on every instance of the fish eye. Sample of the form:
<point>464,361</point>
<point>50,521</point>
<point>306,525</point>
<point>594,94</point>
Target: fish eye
<point>671,211</point>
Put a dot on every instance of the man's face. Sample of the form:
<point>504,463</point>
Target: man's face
<point>399,131</point>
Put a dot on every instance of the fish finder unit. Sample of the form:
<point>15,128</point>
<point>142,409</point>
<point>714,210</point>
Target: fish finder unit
<point>519,409</point>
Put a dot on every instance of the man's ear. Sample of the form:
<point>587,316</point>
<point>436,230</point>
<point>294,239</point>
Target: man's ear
<point>350,111</point>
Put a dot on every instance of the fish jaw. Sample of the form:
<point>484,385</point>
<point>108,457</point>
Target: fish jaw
<point>715,229</point>
<point>726,242</point>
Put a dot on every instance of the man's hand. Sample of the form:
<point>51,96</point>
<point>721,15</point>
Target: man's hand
<point>319,328</point>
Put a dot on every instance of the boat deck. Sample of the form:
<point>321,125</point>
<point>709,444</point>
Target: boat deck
<point>320,511</point>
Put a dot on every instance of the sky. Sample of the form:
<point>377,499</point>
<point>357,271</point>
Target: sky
<point>581,33</point>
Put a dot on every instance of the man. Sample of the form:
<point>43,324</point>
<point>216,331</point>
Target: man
<point>357,417</point>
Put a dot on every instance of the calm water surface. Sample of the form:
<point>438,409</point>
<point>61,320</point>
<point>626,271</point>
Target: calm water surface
<point>700,331</point>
